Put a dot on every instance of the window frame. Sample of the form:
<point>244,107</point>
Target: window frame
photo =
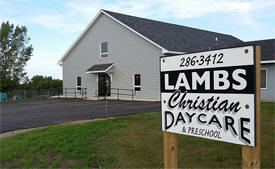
<point>77,87</point>
<point>265,79</point>
<point>134,85</point>
<point>104,53</point>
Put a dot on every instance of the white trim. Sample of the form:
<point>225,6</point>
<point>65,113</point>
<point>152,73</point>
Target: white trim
<point>265,78</point>
<point>95,72</point>
<point>109,67</point>
<point>173,52</point>
<point>78,38</point>
<point>111,76</point>
<point>134,82</point>
<point>100,71</point>
<point>267,61</point>
<point>100,44</point>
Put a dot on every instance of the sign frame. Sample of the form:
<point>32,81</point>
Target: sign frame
<point>250,155</point>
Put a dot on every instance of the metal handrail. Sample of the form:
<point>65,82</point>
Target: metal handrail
<point>118,93</point>
<point>81,91</point>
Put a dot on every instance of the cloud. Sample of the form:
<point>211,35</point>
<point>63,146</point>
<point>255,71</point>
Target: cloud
<point>50,21</point>
<point>57,22</point>
<point>87,9</point>
<point>243,12</point>
<point>42,64</point>
<point>163,8</point>
<point>191,9</point>
<point>75,15</point>
<point>43,67</point>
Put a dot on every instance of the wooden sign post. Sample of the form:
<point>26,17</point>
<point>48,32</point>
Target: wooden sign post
<point>251,155</point>
<point>214,95</point>
<point>170,150</point>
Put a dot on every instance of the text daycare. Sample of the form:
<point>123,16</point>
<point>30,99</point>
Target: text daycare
<point>184,83</point>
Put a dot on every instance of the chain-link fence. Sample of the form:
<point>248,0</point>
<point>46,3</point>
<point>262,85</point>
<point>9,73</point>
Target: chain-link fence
<point>19,95</point>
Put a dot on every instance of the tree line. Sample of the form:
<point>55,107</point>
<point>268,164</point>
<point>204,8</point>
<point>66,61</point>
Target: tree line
<point>41,82</point>
<point>15,51</point>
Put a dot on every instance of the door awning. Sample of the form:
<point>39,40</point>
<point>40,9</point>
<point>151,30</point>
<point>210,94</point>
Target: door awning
<point>102,68</point>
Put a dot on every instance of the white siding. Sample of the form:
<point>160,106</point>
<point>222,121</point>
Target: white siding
<point>130,53</point>
<point>269,92</point>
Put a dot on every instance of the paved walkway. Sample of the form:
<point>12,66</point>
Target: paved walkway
<point>30,114</point>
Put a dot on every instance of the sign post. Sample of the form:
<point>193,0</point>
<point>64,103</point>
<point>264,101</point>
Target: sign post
<point>214,95</point>
<point>251,155</point>
<point>170,150</point>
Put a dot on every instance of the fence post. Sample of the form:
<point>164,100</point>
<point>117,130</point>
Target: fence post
<point>117,94</point>
<point>58,93</point>
<point>132,95</point>
<point>85,93</point>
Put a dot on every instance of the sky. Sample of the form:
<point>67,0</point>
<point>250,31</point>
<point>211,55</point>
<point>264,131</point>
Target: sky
<point>53,25</point>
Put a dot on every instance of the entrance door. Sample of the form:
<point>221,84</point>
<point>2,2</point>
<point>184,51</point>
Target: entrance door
<point>104,85</point>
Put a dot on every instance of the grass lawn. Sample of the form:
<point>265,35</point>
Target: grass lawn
<point>126,142</point>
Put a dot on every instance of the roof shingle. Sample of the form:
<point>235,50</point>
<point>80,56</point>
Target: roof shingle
<point>176,37</point>
<point>267,48</point>
<point>99,67</point>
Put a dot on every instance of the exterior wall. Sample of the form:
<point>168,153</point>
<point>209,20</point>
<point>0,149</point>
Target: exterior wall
<point>269,92</point>
<point>130,53</point>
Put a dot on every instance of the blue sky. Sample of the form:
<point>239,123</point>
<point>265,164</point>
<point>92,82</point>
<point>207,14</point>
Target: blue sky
<point>53,25</point>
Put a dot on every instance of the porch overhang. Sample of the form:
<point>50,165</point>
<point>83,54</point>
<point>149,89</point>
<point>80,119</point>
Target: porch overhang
<point>101,68</point>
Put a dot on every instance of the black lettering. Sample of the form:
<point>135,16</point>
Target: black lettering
<point>190,116</point>
<point>244,129</point>
<point>229,122</point>
<point>173,98</point>
<point>176,100</point>
<point>183,103</point>
<point>180,118</point>
<point>235,106</point>
<point>214,119</point>
<point>195,102</point>
<point>199,118</point>
<point>202,105</point>
<point>213,105</point>
<point>170,113</point>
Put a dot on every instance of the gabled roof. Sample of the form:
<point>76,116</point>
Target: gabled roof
<point>176,37</point>
<point>267,48</point>
<point>170,38</point>
<point>100,68</point>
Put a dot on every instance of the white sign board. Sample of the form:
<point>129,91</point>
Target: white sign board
<point>210,94</point>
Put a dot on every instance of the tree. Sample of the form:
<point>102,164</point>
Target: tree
<point>42,82</point>
<point>15,51</point>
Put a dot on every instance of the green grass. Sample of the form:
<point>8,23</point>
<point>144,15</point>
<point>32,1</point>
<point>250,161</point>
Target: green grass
<point>126,142</point>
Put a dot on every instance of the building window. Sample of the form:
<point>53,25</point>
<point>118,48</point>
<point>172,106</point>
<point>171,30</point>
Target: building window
<point>137,82</point>
<point>78,83</point>
<point>263,79</point>
<point>103,49</point>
